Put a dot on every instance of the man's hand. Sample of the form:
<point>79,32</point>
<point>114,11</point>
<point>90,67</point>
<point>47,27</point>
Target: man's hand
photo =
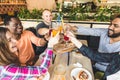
<point>43,31</point>
<point>68,27</point>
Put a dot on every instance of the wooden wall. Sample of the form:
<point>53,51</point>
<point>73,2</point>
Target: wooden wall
<point>41,4</point>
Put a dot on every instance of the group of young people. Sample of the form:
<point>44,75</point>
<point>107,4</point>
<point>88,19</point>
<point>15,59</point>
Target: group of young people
<point>17,53</point>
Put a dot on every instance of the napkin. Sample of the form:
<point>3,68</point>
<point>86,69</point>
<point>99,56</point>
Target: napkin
<point>77,64</point>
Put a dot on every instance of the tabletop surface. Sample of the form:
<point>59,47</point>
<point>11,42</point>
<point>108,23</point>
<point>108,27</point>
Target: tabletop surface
<point>68,64</point>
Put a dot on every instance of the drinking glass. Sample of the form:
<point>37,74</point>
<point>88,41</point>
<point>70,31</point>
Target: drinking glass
<point>55,30</point>
<point>66,39</point>
<point>59,72</point>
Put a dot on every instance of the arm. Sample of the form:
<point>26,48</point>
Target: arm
<point>35,40</point>
<point>90,31</point>
<point>43,31</point>
<point>30,71</point>
<point>85,30</point>
<point>94,55</point>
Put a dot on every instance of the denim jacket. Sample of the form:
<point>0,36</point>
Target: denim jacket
<point>113,59</point>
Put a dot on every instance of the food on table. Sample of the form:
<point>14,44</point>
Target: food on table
<point>82,75</point>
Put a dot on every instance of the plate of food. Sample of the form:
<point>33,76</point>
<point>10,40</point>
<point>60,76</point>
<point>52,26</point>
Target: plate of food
<point>44,77</point>
<point>81,74</point>
<point>47,76</point>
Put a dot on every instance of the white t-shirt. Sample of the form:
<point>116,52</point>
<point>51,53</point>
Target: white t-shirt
<point>115,76</point>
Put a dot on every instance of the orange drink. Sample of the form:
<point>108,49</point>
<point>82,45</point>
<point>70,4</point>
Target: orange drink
<point>54,32</point>
<point>60,28</point>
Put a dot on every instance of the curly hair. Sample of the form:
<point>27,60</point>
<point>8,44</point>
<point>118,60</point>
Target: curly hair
<point>8,19</point>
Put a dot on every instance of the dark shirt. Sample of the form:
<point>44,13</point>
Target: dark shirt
<point>113,59</point>
<point>41,49</point>
<point>41,25</point>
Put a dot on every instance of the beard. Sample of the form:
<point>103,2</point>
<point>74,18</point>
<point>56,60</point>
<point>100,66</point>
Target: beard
<point>114,35</point>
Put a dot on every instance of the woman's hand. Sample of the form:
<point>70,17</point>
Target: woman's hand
<point>73,39</point>
<point>53,40</point>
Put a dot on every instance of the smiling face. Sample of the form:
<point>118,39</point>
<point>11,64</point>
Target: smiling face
<point>15,26</point>
<point>47,16</point>
<point>114,28</point>
<point>8,49</point>
<point>11,42</point>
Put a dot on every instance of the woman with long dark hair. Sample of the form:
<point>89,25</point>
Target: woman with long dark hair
<point>10,68</point>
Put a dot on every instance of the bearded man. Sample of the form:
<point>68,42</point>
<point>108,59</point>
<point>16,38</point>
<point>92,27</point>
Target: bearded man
<point>109,38</point>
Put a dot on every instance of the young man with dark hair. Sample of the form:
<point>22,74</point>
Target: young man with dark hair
<point>24,40</point>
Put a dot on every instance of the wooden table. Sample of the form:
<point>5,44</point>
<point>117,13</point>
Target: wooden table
<point>73,58</point>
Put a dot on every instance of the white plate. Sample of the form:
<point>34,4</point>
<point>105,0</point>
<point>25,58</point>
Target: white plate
<point>75,72</point>
<point>47,77</point>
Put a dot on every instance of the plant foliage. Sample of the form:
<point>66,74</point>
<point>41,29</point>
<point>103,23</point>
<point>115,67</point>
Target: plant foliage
<point>80,12</point>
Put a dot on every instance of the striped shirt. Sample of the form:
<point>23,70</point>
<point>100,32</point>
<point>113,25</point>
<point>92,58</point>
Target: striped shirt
<point>13,72</point>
